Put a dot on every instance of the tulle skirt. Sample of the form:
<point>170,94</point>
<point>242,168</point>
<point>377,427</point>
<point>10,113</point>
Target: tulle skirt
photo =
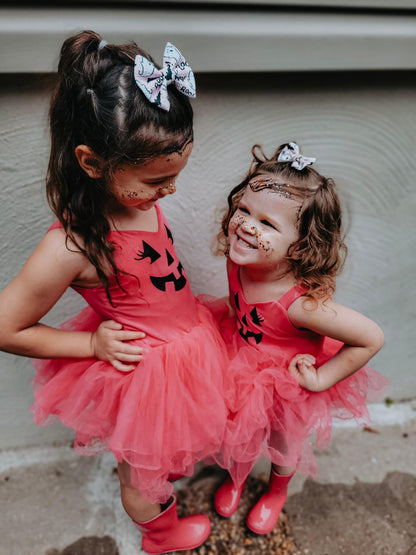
<point>270,414</point>
<point>161,418</point>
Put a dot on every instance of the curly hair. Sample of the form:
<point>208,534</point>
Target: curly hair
<point>97,103</point>
<point>319,253</point>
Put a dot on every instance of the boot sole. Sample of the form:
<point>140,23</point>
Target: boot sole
<point>262,533</point>
<point>190,546</point>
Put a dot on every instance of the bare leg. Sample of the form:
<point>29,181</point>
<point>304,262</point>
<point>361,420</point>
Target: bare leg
<point>135,505</point>
<point>282,470</point>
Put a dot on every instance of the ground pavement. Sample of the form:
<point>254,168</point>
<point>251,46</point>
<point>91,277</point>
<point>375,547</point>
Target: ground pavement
<point>362,503</point>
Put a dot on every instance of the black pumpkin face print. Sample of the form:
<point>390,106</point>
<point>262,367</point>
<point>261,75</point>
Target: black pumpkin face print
<point>176,276</point>
<point>246,320</point>
<point>148,252</point>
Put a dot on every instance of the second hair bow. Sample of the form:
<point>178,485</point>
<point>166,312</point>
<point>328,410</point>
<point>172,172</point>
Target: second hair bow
<point>291,153</point>
<point>153,82</point>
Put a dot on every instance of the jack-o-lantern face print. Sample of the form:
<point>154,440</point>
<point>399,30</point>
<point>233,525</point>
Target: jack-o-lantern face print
<point>173,275</point>
<point>248,322</point>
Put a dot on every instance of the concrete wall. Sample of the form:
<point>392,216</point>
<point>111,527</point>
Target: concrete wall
<point>361,126</point>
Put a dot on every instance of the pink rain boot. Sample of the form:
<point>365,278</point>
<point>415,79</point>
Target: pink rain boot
<point>227,498</point>
<point>167,533</point>
<point>173,477</point>
<point>263,516</point>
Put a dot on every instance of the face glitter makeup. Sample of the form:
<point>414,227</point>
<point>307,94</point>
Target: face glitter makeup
<point>263,182</point>
<point>262,228</point>
<point>266,246</point>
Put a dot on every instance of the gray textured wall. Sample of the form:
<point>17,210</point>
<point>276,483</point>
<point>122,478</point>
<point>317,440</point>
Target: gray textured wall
<point>360,126</point>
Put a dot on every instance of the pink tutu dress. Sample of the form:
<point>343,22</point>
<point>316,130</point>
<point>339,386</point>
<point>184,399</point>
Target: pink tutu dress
<point>169,412</point>
<point>270,413</point>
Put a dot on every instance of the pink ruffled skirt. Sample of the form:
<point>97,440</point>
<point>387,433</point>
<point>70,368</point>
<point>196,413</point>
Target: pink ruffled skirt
<point>161,418</point>
<point>270,414</point>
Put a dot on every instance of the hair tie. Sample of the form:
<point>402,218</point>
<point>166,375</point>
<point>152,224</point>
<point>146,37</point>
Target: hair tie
<point>154,82</point>
<point>102,44</point>
<point>291,153</point>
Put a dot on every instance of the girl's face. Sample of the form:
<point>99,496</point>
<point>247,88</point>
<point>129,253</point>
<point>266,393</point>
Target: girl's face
<point>141,186</point>
<point>262,229</point>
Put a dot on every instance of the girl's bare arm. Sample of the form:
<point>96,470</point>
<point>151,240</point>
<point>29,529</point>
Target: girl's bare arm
<point>362,339</point>
<point>45,276</point>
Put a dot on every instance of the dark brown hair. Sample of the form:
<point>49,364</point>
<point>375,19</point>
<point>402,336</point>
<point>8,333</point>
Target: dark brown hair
<point>318,255</point>
<point>97,103</point>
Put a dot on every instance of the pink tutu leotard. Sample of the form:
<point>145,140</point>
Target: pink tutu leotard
<point>270,414</point>
<point>169,412</point>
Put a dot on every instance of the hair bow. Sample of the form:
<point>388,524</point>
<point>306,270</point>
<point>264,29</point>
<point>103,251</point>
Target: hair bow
<point>291,153</point>
<point>153,82</point>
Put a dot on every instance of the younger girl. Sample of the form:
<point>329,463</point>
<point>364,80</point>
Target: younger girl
<point>121,132</point>
<point>298,356</point>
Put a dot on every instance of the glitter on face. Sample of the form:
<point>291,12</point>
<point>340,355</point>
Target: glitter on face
<point>168,151</point>
<point>263,182</point>
<point>260,183</point>
<point>240,221</point>
<point>262,230</point>
<point>265,245</point>
<point>140,194</point>
<point>150,195</point>
<point>142,186</point>
<point>130,194</point>
<point>171,188</point>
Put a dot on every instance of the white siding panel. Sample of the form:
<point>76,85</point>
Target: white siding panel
<point>214,41</point>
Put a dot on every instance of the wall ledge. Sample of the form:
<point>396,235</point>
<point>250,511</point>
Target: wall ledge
<point>217,40</point>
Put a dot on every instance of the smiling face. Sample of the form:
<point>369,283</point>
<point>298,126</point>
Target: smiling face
<point>262,229</point>
<point>141,186</point>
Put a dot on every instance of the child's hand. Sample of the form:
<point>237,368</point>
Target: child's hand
<point>302,368</point>
<point>109,343</point>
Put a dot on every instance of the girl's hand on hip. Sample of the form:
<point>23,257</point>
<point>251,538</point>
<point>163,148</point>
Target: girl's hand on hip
<point>109,343</point>
<point>302,368</point>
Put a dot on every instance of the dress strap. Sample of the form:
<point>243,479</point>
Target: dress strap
<point>288,298</point>
<point>55,225</point>
<point>233,279</point>
<point>285,300</point>
<point>233,271</point>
